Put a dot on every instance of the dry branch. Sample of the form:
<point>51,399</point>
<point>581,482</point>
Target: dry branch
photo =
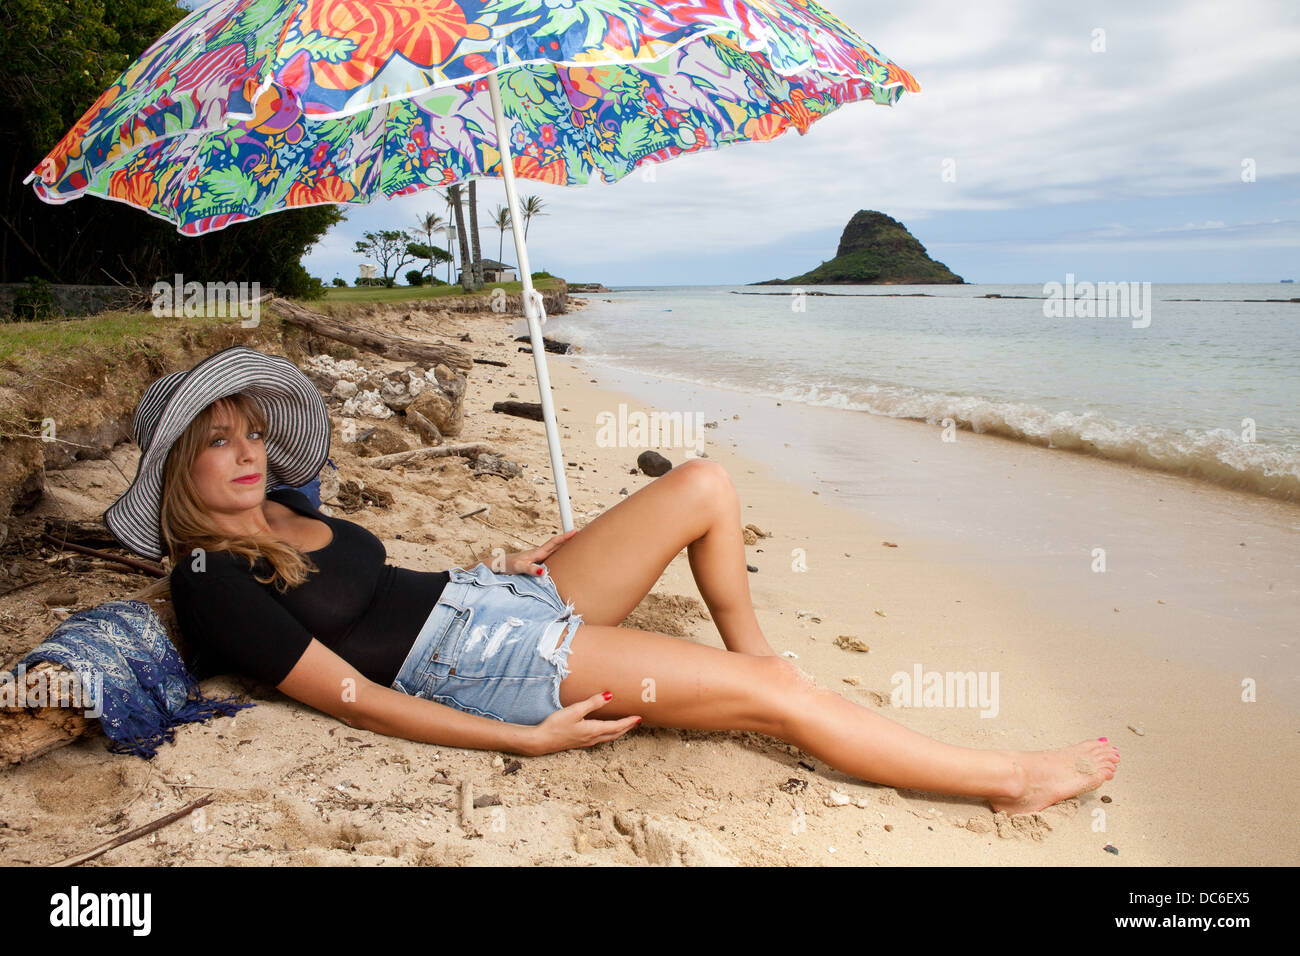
<point>390,346</point>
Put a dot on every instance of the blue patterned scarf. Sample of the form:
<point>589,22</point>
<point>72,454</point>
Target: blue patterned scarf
<point>146,690</point>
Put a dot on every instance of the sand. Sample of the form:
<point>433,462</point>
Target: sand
<point>1209,781</point>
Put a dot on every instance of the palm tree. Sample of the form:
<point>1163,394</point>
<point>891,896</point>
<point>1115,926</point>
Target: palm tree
<point>501,219</point>
<point>466,273</point>
<point>532,206</point>
<point>428,224</point>
<point>477,264</point>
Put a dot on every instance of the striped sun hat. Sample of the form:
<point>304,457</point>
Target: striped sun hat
<point>297,440</point>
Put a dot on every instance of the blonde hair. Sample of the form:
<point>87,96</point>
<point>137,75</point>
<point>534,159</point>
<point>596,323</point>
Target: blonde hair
<point>186,523</point>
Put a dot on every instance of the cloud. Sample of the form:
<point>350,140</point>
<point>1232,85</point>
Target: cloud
<point>1025,107</point>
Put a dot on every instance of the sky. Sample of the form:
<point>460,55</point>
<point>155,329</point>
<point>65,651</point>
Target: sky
<point>1101,139</point>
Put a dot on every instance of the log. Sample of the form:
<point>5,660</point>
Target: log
<point>479,361</point>
<point>29,732</point>
<point>469,450</point>
<point>427,429</point>
<point>531,410</point>
<point>395,347</point>
<point>551,345</point>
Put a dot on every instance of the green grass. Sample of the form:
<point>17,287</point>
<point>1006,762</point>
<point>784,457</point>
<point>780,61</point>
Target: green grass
<point>22,342</point>
<point>405,293</point>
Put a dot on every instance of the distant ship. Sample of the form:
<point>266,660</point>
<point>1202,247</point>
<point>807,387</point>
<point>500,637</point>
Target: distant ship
<point>1286,280</point>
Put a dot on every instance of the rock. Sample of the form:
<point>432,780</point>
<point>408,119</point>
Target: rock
<point>1137,730</point>
<point>879,612</point>
<point>653,463</point>
<point>751,569</point>
<point>851,680</point>
<point>850,643</point>
<point>757,531</point>
<point>837,799</point>
<point>794,785</point>
<point>889,544</point>
<point>749,536</point>
<point>442,402</point>
<point>367,403</point>
<point>486,464</point>
<point>875,248</point>
<point>1110,849</point>
<point>343,389</point>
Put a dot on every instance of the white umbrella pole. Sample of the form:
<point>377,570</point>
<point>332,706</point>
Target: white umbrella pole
<point>530,308</point>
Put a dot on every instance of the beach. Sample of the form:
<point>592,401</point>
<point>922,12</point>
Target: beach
<point>1206,777</point>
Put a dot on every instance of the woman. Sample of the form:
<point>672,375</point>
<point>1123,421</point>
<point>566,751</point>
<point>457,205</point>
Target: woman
<point>527,658</point>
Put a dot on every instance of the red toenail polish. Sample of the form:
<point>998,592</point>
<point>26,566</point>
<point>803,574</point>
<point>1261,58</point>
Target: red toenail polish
<point>1102,739</point>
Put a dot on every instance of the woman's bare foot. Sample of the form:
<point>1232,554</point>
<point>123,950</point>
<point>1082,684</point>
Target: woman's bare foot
<point>1051,776</point>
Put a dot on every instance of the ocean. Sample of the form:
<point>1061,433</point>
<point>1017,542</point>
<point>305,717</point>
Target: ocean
<point>1189,379</point>
<point>1117,483</point>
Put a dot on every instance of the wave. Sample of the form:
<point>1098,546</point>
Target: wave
<point>1218,455</point>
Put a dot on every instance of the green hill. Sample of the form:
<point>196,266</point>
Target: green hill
<point>875,249</point>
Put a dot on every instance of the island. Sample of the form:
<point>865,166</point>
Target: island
<point>875,249</point>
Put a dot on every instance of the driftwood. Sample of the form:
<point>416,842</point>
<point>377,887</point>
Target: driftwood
<point>27,732</point>
<point>135,834</point>
<point>479,361</point>
<point>390,346</point>
<point>470,450</point>
<point>531,410</point>
<point>551,345</point>
<point>427,429</point>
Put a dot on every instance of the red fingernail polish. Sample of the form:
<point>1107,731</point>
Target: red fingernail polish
<point>608,695</point>
<point>540,571</point>
<point>638,720</point>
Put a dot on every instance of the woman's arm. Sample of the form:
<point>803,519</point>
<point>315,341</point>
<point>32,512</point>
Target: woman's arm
<point>323,680</point>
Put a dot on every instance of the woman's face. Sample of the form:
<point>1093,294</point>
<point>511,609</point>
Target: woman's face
<point>232,450</point>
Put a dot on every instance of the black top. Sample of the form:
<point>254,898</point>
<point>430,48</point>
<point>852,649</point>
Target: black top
<point>366,611</point>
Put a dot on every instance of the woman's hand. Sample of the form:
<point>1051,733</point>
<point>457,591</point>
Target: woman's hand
<point>569,727</point>
<point>530,562</point>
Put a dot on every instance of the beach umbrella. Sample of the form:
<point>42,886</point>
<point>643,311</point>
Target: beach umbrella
<point>247,107</point>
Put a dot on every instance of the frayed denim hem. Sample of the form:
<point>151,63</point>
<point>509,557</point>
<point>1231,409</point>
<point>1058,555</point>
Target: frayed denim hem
<point>559,655</point>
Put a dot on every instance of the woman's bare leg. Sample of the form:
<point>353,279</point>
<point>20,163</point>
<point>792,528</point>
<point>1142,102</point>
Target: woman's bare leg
<point>610,565</point>
<point>675,683</point>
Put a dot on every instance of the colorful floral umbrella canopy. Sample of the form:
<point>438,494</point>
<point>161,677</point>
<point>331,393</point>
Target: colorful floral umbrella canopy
<point>248,107</point>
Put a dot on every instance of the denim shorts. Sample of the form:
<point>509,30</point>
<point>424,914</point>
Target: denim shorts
<point>495,645</point>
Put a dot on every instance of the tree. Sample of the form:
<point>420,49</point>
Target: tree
<point>477,256</point>
<point>466,276</point>
<point>501,218</point>
<point>433,254</point>
<point>531,206</point>
<point>58,59</point>
<point>428,224</point>
<point>390,246</point>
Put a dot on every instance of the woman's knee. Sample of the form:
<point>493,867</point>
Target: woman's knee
<point>789,690</point>
<point>706,480</point>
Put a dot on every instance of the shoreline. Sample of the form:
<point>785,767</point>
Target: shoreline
<point>1167,583</point>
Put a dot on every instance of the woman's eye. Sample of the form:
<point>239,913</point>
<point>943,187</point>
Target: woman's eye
<point>215,440</point>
